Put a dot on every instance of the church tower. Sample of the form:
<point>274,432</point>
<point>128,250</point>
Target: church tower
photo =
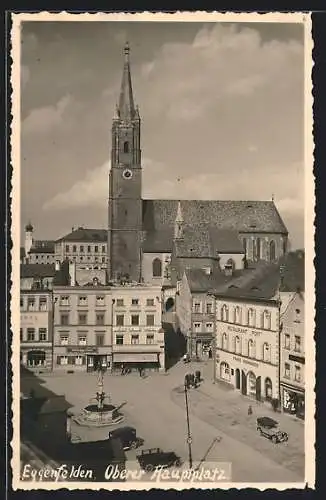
<point>125,185</point>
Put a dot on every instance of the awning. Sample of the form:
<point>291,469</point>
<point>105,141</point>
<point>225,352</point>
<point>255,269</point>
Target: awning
<point>135,357</point>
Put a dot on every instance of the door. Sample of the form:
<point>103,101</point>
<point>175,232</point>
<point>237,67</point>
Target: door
<point>237,378</point>
<point>258,388</point>
<point>244,383</point>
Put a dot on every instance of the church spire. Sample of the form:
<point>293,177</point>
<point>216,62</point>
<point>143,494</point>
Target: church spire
<point>126,107</point>
<point>178,224</point>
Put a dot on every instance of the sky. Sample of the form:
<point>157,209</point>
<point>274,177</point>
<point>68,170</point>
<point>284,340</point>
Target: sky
<point>221,107</point>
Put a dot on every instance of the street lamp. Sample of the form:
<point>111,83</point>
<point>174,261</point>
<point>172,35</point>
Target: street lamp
<point>54,301</point>
<point>189,438</point>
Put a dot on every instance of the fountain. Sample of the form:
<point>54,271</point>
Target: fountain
<point>99,413</point>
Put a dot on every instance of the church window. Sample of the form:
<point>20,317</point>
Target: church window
<point>244,242</point>
<point>272,251</point>
<point>126,147</point>
<point>258,248</point>
<point>157,268</point>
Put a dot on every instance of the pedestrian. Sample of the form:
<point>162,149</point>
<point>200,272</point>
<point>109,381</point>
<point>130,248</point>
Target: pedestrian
<point>122,369</point>
<point>140,371</point>
<point>250,410</point>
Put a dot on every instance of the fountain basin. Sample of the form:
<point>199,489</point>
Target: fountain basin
<point>93,416</point>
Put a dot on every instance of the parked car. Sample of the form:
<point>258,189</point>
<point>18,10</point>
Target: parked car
<point>127,436</point>
<point>269,428</point>
<point>154,457</point>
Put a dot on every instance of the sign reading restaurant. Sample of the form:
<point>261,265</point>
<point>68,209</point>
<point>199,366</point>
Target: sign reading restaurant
<point>238,329</point>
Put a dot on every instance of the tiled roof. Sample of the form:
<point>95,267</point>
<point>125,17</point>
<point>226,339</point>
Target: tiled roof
<point>158,241</point>
<point>42,246</point>
<point>86,235</point>
<point>62,276</point>
<point>37,270</point>
<point>226,241</point>
<point>242,216</point>
<point>200,281</point>
<point>264,280</point>
<point>196,242</point>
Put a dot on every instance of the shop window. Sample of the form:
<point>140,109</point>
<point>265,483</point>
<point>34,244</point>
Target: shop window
<point>42,334</point>
<point>135,339</point>
<point>119,339</point>
<point>297,343</point>
<point>120,319</point>
<point>287,370</point>
<point>62,360</point>
<point>79,360</point>
<point>135,319</point>
<point>150,318</point>
<point>64,339</point>
<point>150,339</point>
<point>100,319</point>
<point>100,339</point>
<point>82,319</point>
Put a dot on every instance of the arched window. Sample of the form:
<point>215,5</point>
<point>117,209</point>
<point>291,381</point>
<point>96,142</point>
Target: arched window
<point>225,342</point>
<point>258,248</point>
<point>157,268</point>
<point>244,242</point>
<point>266,320</point>
<point>272,251</point>
<point>251,317</point>
<point>251,349</point>
<point>266,352</point>
<point>126,147</point>
<point>237,314</point>
<point>237,345</point>
<point>225,313</point>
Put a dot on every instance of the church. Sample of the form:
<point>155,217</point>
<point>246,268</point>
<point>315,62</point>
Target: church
<point>148,239</point>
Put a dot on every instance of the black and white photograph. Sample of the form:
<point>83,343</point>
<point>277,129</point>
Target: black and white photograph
<point>163,243</point>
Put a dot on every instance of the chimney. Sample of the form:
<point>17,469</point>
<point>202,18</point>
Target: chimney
<point>57,265</point>
<point>72,273</point>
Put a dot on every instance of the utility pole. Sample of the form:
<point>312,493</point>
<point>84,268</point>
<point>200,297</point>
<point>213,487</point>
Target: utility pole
<point>189,438</point>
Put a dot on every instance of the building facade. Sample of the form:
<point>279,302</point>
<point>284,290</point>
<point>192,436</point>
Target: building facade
<point>138,337</point>
<point>292,355</point>
<point>36,327</point>
<point>247,345</point>
<point>86,247</point>
<point>82,327</point>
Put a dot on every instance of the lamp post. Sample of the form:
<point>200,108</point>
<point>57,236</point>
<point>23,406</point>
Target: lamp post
<point>189,438</point>
<point>54,301</point>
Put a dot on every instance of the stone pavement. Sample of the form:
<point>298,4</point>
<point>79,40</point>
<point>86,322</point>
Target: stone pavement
<point>227,410</point>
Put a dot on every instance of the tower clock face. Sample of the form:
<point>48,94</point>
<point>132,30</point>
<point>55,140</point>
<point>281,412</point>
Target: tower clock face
<point>127,174</point>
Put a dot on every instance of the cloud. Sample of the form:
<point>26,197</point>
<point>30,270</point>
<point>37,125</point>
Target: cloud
<point>41,120</point>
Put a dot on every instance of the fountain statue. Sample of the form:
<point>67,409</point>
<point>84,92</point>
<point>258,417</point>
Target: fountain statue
<point>99,413</point>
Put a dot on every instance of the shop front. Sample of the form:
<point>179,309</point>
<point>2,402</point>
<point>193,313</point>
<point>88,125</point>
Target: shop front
<point>36,357</point>
<point>293,400</point>
<point>82,358</point>
<point>252,378</point>
<point>135,361</point>
<point>204,348</point>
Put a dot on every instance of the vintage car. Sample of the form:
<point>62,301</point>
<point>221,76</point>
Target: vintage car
<point>127,436</point>
<point>155,457</point>
<point>269,428</point>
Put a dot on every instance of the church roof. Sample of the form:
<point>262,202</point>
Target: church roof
<point>86,235</point>
<point>126,108</point>
<point>158,241</point>
<point>195,243</point>
<point>242,216</point>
